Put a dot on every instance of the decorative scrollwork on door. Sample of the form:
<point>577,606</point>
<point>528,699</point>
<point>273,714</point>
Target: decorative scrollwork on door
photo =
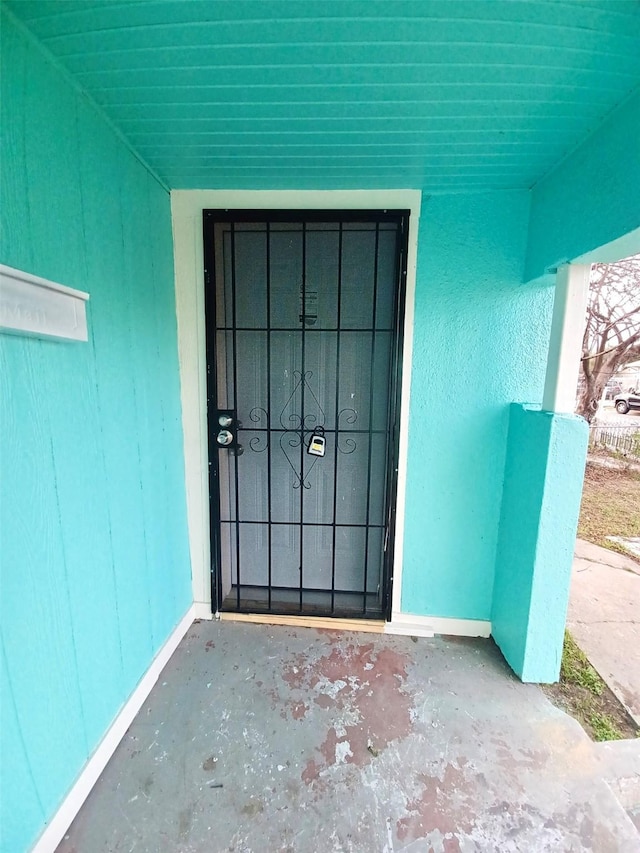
<point>259,443</point>
<point>296,426</point>
<point>314,413</point>
<point>346,445</point>
<point>293,440</point>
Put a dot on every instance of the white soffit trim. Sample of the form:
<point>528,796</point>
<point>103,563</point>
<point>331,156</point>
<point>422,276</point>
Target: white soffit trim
<point>186,209</point>
<point>71,805</point>
<point>429,626</point>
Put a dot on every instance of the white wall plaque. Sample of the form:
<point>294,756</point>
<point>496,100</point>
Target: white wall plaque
<point>30,305</point>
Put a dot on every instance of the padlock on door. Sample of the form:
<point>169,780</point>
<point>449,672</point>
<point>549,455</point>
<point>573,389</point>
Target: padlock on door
<point>317,442</point>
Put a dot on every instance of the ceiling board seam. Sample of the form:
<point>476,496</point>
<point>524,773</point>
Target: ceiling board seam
<point>420,146</point>
<point>569,5</point>
<point>596,72</point>
<point>554,87</point>
<point>95,6</point>
<point>483,189</point>
<point>395,131</point>
<point>345,20</point>
<point>202,158</point>
<point>205,161</point>
<point>342,118</point>
<point>235,46</point>
<point>395,101</point>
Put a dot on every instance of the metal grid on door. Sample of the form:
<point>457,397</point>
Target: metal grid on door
<point>304,311</point>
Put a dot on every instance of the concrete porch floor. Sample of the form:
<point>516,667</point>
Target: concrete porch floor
<point>263,738</point>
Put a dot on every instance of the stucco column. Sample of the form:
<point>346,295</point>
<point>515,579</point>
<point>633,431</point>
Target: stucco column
<point>538,521</point>
<point>544,471</point>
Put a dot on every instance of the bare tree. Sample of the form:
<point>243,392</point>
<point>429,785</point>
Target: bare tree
<point>612,333</point>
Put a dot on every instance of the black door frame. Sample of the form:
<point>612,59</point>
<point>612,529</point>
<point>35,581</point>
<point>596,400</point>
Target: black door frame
<point>210,218</point>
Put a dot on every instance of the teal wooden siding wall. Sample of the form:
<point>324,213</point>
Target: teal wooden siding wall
<point>95,561</point>
<point>480,342</point>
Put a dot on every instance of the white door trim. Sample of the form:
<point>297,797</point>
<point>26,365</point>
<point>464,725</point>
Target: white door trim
<point>186,209</point>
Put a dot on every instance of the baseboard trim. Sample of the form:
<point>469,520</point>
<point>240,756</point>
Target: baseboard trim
<point>327,623</point>
<point>202,610</point>
<point>62,819</point>
<point>429,626</point>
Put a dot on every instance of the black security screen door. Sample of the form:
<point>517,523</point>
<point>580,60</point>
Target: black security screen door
<point>303,315</point>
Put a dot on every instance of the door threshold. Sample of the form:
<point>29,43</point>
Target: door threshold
<point>326,623</point>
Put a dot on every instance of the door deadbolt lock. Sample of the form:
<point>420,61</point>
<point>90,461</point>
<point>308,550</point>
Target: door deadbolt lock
<point>227,428</point>
<point>224,437</point>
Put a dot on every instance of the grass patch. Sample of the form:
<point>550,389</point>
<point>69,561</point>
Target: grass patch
<point>576,669</point>
<point>604,727</point>
<point>584,695</point>
<point>610,501</point>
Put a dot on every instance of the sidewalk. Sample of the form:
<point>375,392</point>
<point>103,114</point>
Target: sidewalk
<point>604,618</point>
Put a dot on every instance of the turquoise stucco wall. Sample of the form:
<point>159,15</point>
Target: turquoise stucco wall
<point>542,491</point>
<point>480,342</point>
<point>94,550</point>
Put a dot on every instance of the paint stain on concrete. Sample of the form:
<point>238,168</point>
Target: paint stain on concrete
<point>432,808</point>
<point>252,808</point>
<point>363,689</point>
<point>299,710</point>
<point>311,772</point>
<point>209,763</point>
<point>185,819</point>
<point>324,701</point>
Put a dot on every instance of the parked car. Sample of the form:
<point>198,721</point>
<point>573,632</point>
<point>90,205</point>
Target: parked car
<point>625,402</point>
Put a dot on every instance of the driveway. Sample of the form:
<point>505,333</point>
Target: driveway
<point>604,618</point>
<point>608,415</point>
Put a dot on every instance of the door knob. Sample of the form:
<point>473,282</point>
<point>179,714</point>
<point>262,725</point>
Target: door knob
<point>227,424</point>
<point>224,437</point>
